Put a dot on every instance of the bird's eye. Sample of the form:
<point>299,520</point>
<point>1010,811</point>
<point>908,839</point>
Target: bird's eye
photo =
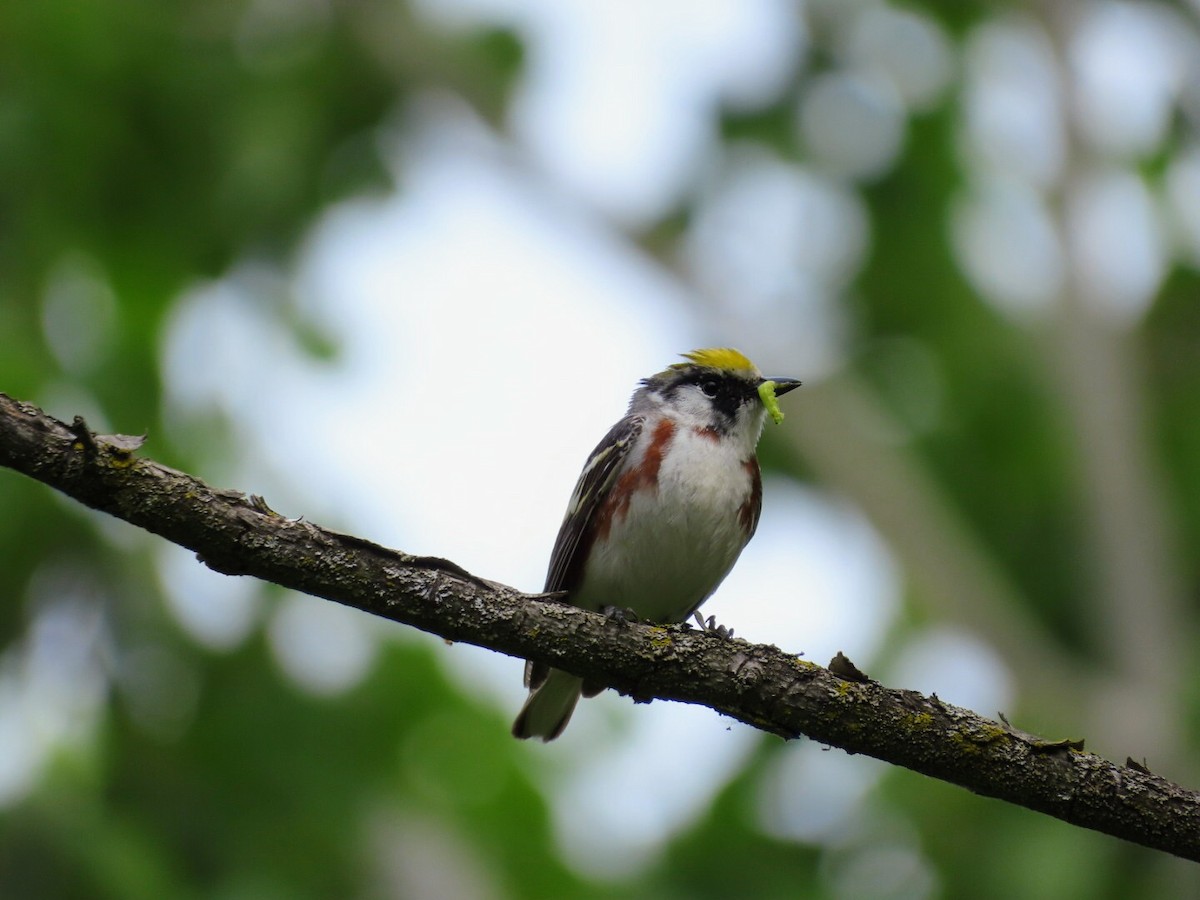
<point>710,387</point>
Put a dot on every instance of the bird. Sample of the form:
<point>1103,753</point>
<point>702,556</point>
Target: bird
<point>662,510</point>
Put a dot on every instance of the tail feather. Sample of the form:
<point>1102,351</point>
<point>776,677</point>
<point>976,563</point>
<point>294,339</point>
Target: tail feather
<point>548,708</point>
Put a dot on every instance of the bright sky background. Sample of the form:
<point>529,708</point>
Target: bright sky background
<point>489,336</point>
<point>492,322</point>
<point>491,327</point>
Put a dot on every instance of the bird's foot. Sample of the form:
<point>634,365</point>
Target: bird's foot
<point>710,625</point>
<point>621,615</point>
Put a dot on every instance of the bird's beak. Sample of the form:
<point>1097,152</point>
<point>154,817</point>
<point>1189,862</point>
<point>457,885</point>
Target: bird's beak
<point>783,385</point>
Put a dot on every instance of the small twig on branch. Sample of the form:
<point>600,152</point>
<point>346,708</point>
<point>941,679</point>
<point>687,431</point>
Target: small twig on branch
<point>757,684</point>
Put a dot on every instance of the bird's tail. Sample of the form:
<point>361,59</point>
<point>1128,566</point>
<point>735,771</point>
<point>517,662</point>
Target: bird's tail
<point>548,708</point>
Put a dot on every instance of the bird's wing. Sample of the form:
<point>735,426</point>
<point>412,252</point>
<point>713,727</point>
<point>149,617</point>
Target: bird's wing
<point>579,524</point>
<point>596,480</point>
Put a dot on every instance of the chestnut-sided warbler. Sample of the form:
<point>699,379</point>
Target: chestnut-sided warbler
<point>662,510</point>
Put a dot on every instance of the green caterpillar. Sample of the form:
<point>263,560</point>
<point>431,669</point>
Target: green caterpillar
<point>766,392</point>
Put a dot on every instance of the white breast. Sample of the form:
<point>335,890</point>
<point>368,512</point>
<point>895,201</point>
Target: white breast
<point>674,545</point>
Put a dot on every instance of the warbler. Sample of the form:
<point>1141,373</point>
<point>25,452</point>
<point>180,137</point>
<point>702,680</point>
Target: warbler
<point>662,509</point>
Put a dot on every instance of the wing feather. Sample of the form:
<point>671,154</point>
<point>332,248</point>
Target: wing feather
<point>596,480</point>
<point>578,528</point>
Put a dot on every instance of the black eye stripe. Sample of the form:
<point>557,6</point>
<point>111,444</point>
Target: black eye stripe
<point>726,392</point>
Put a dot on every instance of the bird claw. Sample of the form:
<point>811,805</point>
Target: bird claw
<point>710,625</point>
<point>621,615</point>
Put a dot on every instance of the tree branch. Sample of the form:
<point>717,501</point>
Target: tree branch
<point>757,684</point>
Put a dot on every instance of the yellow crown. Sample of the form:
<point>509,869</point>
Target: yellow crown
<point>719,358</point>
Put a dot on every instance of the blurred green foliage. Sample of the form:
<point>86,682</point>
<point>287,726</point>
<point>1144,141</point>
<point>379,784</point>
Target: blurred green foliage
<point>160,143</point>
